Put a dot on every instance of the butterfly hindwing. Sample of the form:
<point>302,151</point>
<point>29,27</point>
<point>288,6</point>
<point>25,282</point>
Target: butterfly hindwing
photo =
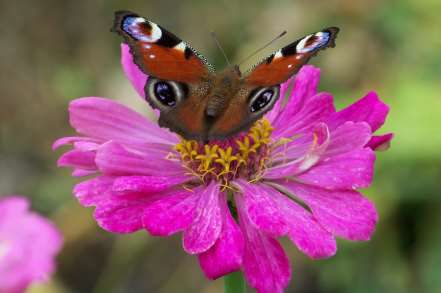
<point>158,52</point>
<point>284,63</point>
<point>188,117</point>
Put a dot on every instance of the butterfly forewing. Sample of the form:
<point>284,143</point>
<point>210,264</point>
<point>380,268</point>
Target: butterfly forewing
<point>158,52</point>
<point>284,63</point>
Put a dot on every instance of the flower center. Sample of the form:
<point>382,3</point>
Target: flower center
<point>243,156</point>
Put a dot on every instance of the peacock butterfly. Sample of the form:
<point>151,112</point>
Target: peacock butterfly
<point>198,103</point>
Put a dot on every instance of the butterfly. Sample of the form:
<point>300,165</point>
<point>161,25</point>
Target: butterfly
<point>195,101</point>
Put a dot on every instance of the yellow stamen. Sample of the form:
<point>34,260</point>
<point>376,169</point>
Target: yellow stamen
<point>246,155</point>
<point>226,158</point>
<point>210,155</point>
<point>188,149</point>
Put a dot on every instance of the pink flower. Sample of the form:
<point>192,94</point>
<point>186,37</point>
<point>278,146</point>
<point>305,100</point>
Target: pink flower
<point>294,174</point>
<point>28,245</point>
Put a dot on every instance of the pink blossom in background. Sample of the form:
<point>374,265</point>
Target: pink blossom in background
<point>28,245</point>
<point>233,199</point>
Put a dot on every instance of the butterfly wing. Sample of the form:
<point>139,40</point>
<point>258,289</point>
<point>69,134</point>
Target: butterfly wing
<point>179,76</point>
<point>281,65</point>
<point>260,88</point>
<point>158,52</point>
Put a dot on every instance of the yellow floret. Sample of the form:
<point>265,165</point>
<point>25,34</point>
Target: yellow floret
<point>224,162</point>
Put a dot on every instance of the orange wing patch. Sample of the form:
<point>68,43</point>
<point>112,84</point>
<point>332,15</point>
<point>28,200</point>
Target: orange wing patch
<point>158,52</point>
<point>281,65</point>
<point>170,63</point>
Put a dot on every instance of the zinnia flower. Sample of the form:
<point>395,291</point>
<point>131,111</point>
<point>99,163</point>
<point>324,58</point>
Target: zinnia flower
<point>28,245</point>
<point>295,173</point>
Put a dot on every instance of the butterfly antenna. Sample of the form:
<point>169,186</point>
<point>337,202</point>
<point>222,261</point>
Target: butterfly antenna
<point>216,40</point>
<point>263,47</point>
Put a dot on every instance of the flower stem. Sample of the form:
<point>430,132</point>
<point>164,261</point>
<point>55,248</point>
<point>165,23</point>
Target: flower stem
<point>234,283</point>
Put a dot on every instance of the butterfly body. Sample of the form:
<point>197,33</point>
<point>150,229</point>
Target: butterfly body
<point>194,100</point>
<point>224,86</point>
<point>213,106</point>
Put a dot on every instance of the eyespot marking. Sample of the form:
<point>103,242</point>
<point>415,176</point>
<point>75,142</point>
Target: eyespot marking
<point>262,100</point>
<point>141,29</point>
<point>312,42</point>
<point>164,94</point>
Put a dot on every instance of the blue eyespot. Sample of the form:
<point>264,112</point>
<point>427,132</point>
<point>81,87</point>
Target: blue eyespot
<point>165,94</point>
<point>131,26</point>
<point>141,29</point>
<point>263,99</point>
<point>313,42</point>
<point>128,22</point>
<point>323,38</point>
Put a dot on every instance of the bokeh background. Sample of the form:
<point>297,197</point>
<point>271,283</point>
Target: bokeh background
<point>53,51</point>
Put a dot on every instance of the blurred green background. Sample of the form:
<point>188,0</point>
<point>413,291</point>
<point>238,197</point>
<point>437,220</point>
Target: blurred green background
<point>54,51</point>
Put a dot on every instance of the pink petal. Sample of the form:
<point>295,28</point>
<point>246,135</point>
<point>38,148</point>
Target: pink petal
<point>310,237</point>
<point>348,137</point>
<point>120,218</point>
<point>114,213</point>
<point>78,159</point>
<point>132,71</point>
<point>225,256</point>
<point>351,170</point>
<point>93,191</point>
<point>381,142</point>
<point>299,146</point>
<point>307,234</point>
<point>71,140</point>
<point>12,206</point>
<point>317,109</point>
<point>318,144</point>
<point>47,240</point>
<point>29,243</point>
<point>120,214</point>
<point>171,214</point>
<point>146,184</point>
<point>86,146</point>
<point>305,86</point>
<point>265,263</point>
<point>345,213</point>
<point>114,159</point>
<point>107,120</point>
<point>262,210</point>
<point>369,109</point>
<point>207,224</point>
<point>78,172</point>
